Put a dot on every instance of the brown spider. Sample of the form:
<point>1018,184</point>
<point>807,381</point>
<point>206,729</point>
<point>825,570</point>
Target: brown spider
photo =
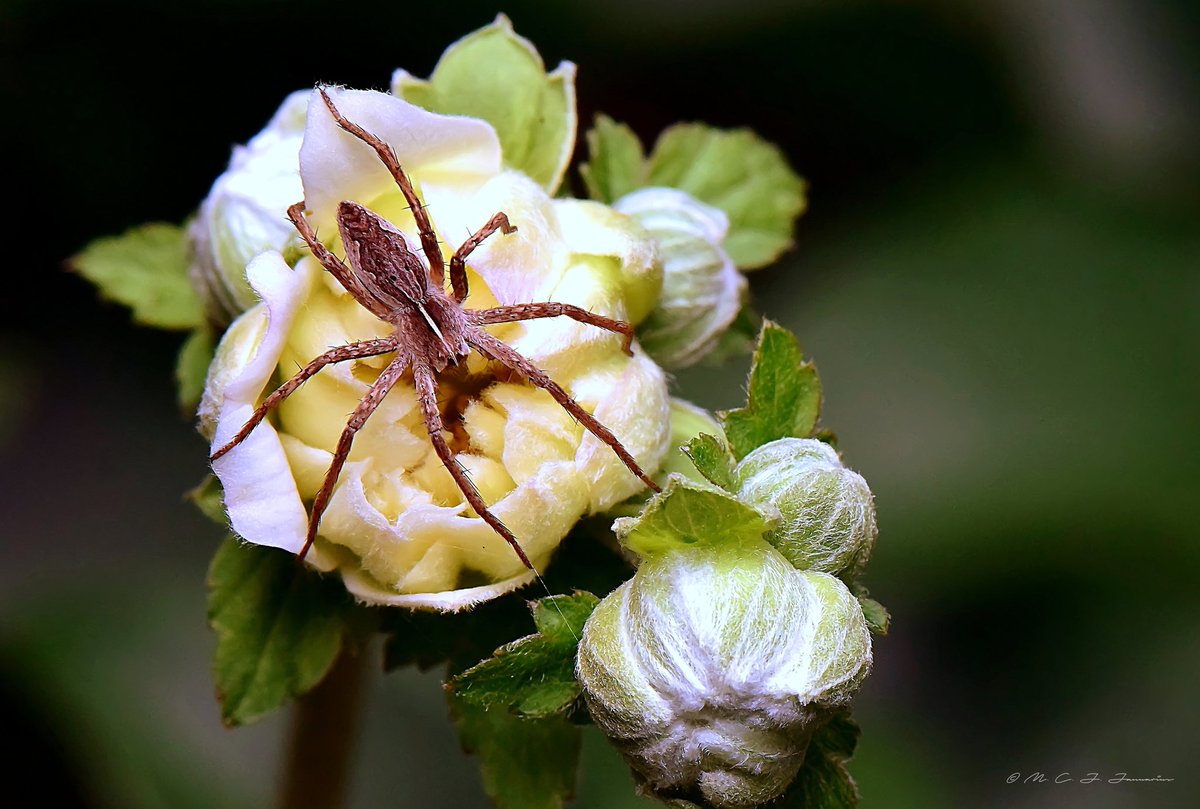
<point>432,329</point>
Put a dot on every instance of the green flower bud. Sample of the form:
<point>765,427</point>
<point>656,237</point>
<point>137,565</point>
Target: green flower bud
<point>702,289</point>
<point>714,665</point>
<point>828,512</point>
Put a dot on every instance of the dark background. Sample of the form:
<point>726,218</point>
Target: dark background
<point>998,278</point>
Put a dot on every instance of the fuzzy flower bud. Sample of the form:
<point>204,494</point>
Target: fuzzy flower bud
<point>702,289</point>
<point>714,665</point>
<point>828,512</point>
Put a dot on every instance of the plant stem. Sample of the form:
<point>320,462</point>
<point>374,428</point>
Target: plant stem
<point>322,738</point>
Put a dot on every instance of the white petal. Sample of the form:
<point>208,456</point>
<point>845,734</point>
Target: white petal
<point>244,213</point>
<point>369,591</point>
<point>260,490</point>
<point>630,398</point>
<point>518,267</point>
<point>435,150</point>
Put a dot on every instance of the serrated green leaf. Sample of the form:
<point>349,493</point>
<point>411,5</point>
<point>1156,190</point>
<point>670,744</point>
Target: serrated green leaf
<point>498,76</point>
<point>535,675</point>
<point>616,162</point>
<point>784,399</point>
<point>560,619</point>
<point>687,513</point>
<point>879,620</point>
<point>824,782</point>
<point>209,497</point>
<point>712,459</point>
<point>526,763</point>
<point>279,628</point>
<point>191,368</point>
<point>740,173</point>
<point>146,269</point>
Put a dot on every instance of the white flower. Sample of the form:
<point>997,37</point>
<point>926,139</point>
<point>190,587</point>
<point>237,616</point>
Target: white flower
<point>397,527</point>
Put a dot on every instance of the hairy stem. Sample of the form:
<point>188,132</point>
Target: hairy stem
<point>321,742</point>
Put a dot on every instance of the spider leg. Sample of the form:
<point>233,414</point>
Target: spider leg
<point>533,311</point>
<point>351,351</point>
<point>336,267</point>
<point>429,242</point>
<point>495,349</point>
<point>458,262</point>
<point>358,418</point>
<point>426,385</point>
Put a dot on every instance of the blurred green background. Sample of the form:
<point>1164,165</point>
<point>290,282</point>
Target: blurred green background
<point>998,277</point>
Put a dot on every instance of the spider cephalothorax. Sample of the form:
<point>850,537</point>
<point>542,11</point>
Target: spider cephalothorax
<point>431,329</point>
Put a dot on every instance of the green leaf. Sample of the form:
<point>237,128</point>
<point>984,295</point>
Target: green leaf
<point>526,763</point>
<point>687,513</point>
<point>740,173</point>
<point>498,76</point>
<point>784,398</point>
<point>824,782</point>
<point>535,675</point>
<point>279,628</point>
<point>209,497</point>
<point>191,368</point>
<point>879,620</point>
<point>713,460</point>
<point>146,269</point>
<point>616,161</point>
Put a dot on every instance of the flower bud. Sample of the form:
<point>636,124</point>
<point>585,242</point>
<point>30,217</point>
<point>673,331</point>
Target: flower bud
<point>244,213</point>
<point>712,667</point>
<point>702,289</point>
<point>828,513</point>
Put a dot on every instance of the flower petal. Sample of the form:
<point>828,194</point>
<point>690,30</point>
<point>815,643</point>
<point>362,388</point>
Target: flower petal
<point>434,149</point>
<point>644,429</point>
<point>260,490</point>
<point>370,591</point>
<point>243,214</point>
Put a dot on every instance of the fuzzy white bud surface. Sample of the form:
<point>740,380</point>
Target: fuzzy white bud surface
<point>712,667</point>
<point>828,511</point>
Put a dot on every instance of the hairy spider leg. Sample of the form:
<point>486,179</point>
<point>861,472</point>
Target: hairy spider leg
<point>350,351</point>
<point>458,262</point>
<point>429,242</point>
<point>387,379</point>
<point>426,384</point>
<point>535,311</point>
<point>494,349</point>
<point>336,267</point>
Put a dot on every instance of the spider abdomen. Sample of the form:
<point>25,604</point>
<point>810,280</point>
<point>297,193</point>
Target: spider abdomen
<point>381,258</point>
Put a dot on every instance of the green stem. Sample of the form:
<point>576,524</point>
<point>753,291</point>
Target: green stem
<point>323,732</point>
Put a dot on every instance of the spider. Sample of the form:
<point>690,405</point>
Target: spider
<point>430,329</point>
